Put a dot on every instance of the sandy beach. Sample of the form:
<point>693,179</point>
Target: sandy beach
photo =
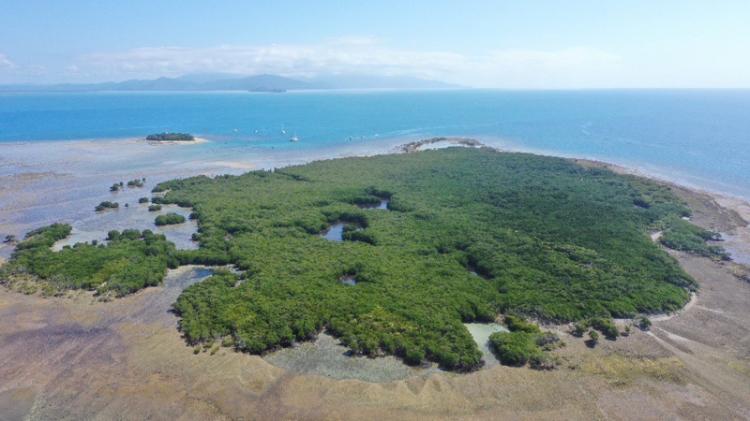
<point>76,357</point>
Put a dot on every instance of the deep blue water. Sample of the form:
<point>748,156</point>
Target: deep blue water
<point>702,137</point>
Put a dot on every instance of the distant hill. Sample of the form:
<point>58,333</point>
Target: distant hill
<point>233,82</point>
<point>377,82</point>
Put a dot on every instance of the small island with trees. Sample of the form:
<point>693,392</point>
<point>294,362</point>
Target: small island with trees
<point>170,137</point>
<point>106,205</point>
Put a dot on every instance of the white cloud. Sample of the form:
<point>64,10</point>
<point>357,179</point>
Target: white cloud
<point>5,62</point>
<point>577,67</point>
<point>573,67</point>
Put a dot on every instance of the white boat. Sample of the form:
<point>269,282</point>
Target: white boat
<point>294,139</point>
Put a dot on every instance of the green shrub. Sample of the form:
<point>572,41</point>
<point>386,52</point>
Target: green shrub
<point>644,323</point>
<point>593,338</point>
<point>514,348</point>
<point>169,219</point>
<point>143,200</point>
<point>107,205</point>
<point>548,341</point>
<point>605,326</point>
<point>154,208</point>
<point>517,324</point>
<point>579,329</point>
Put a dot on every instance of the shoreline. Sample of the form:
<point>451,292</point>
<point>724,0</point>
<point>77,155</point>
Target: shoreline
<point>383,146</point>
<point>89,140</point>
<point>196,141</point>
<point>216,162</point>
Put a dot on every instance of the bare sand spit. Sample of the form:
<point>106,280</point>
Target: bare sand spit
<point>196,141</point>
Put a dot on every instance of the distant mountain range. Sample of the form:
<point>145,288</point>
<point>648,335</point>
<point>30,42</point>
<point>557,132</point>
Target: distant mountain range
<point>231,82</point>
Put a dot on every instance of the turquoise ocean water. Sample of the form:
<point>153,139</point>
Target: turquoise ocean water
<point>701,137</point>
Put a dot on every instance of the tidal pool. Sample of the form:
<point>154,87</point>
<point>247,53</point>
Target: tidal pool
<point>335,232</point>
<point>348,280</point>
<point>383,205</point>
<point>481,333</point>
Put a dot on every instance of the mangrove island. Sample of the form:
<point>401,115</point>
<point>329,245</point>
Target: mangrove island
<point>170,137</point>
<point>468,235</point>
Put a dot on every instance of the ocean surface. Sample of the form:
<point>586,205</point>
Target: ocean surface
<point>700,137</point>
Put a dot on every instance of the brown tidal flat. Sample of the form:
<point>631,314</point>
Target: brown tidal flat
<point>77,358</point>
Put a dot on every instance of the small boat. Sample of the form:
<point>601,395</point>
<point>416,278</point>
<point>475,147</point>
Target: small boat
<point>294,139</point>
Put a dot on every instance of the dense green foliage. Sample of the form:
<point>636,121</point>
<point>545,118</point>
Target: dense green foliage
<point>130,261</point>
<point>549,239</point>
<point>524,343</point>
<point>517,324</point>
<point>170,218</point>
<point>684,236</point>
<point>170,137</point>
<point>154,208</point>
<point>605,326</point>
<point>143,200</point>
<point>514,348</point>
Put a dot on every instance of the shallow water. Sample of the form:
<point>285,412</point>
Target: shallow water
<point>481,333</point>
<point>335,232</point>
<point>737,245</point>
<point>136,216</point>
<point>700,136</point>
<point>383,205</point>
<point>349,280</point>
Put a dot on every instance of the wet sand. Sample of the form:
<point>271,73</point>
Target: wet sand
<point>75,357</point>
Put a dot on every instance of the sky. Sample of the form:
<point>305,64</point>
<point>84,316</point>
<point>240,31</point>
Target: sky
<point>544,44</point>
